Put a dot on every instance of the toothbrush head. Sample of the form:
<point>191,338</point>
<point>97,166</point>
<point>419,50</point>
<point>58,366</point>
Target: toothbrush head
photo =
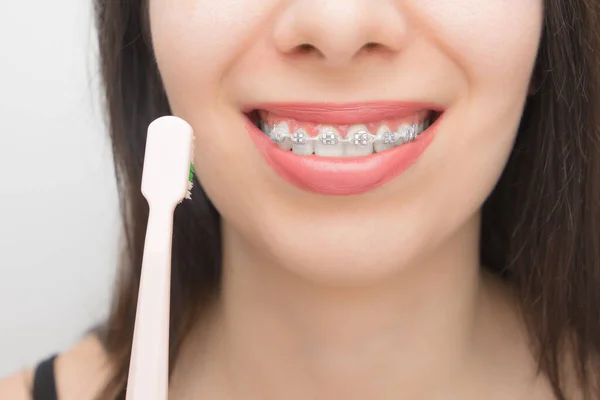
<point>168,170</point>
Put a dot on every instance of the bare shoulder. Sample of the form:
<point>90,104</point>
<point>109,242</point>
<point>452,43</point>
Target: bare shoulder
<point>17,386</point>
<point>81,373</point>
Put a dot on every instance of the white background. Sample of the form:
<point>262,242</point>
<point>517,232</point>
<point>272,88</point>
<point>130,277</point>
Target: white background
<point>59,219</point>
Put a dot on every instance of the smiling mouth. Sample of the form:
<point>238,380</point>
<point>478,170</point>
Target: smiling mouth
<point>342,149</point>
<point>306,137</point>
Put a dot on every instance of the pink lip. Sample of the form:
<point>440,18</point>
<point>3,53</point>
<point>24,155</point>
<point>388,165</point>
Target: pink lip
<point>343,176</point>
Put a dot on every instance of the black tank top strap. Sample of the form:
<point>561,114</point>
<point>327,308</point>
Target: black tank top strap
<point>44,381</point>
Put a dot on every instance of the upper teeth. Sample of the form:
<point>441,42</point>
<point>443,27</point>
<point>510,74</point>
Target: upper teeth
<point>329,136</point>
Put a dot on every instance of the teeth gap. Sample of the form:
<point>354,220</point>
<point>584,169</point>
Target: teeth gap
<point>254,117</point>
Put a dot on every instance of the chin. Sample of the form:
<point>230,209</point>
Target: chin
<point>335,253</point>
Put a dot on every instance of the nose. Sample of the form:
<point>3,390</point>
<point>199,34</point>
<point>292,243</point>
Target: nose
<point>339,31</point>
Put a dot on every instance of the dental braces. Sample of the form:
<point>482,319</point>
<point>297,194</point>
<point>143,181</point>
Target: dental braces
<point>328,137</point>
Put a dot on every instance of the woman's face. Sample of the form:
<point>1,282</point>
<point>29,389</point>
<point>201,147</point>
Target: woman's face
<point>331,71</point>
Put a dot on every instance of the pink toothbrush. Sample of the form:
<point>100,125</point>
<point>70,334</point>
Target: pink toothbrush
<point>165,183</point>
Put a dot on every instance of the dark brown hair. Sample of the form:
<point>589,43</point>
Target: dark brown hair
<point>541,224</point>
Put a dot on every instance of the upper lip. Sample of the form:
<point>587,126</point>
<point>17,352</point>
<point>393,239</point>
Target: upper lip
<point>345,113</point>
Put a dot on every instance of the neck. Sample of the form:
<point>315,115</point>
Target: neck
<point>287,337</point>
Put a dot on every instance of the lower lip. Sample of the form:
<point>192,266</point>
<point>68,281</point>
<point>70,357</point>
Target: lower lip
<point>341,176</point>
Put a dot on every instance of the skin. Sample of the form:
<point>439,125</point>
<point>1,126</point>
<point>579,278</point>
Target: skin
<point>372,296</point>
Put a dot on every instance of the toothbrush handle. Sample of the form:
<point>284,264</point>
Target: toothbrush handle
<point>148,370</point>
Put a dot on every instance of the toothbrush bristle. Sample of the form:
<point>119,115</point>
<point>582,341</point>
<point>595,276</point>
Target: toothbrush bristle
<point>190,183</point>
<point>192,171</point>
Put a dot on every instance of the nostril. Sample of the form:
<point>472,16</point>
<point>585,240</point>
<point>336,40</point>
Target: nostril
<point>373,47</point>
<point>306,48</point>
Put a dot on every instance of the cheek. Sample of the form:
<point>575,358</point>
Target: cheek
<point>485,37</point>
<point>197,40</point>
